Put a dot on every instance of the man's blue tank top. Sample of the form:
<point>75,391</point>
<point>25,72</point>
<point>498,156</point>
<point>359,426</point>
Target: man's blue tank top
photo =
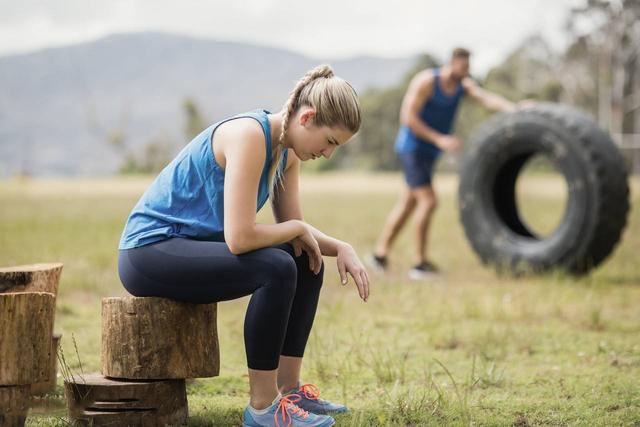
<point>438,113</point>
<point>187,198</point>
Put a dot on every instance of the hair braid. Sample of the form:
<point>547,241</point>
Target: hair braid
<point>275,174</point>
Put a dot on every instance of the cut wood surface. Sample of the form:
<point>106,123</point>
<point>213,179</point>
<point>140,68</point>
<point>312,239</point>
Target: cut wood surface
<point>14,405</point>
<point>50,383</point>
<point>26,320</point>
<point>31,278</point>
<point>98,401</point>
<point>157,338</point>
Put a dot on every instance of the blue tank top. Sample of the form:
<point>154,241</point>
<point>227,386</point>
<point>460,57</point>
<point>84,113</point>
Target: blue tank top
<point>438,113</point>
<point>187,198</point>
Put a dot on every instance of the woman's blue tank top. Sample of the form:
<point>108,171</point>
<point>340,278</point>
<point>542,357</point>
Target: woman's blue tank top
<point>438,113</point>
<point>187,198</point>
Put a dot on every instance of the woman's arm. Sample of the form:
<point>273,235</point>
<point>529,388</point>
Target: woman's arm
<point>286,207</point>
<point>241,143</point>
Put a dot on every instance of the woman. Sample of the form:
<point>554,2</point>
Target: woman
<point>193,237</point>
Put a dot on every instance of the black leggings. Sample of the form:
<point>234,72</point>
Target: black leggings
<point>285,291</point>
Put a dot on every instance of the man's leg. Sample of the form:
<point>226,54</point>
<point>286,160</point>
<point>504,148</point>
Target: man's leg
<point>396,220</point>
<point>426,202</point>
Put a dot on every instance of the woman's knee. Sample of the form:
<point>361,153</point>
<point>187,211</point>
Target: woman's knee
<point>281,270</point>
<point>304,271</point>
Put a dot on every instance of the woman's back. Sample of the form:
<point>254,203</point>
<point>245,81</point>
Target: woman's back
<point>187,197</point>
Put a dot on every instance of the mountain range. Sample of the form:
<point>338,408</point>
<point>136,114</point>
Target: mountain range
<point>59,106</point>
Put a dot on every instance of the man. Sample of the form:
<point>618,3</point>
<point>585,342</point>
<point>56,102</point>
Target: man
<point>426,118</point>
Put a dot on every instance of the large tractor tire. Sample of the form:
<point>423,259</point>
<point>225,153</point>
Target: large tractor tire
<point>595,173</point>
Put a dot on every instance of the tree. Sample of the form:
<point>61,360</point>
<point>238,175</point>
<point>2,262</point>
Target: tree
<point>157,153</point>
<point>194,121</point>
<point>613,35</point>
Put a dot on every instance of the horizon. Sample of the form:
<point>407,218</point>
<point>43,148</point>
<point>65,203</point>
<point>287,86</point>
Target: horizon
<point>442,59</point>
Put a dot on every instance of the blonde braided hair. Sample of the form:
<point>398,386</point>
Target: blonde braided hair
<point>335,102</point>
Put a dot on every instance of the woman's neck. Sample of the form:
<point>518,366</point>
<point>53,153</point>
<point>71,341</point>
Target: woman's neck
<point>275,123</point>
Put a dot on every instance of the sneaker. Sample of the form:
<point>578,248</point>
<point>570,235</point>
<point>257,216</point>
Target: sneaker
<point>378,263</point>
<point>310,400</point>
<point>284,412</point>
<point>424,270</point>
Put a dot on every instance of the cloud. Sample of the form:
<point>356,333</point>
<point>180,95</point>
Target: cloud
<point>327,29</point>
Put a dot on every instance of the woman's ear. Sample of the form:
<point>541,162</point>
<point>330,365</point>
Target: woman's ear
<point>306,117</point>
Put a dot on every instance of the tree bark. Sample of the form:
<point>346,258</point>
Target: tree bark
<point>14,405</point>
<point>25,337</point>
<point>50,383</point>
<point>98,401</point>
<point>31,278</point>
<point>157,338</point>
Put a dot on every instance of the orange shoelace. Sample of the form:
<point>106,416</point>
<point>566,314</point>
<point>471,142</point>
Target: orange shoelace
<point>288,404</point>
<point>310,391</point>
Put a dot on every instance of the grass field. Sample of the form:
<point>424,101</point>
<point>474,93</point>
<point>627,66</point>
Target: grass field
<point>470,348</point>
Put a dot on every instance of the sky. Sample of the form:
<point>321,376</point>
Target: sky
<point>327,29</point>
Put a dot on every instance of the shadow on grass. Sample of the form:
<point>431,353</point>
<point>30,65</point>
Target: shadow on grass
<point>360,418</point>
<point>622,280</point>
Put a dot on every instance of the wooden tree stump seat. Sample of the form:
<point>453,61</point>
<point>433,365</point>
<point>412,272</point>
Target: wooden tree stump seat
<point>31,278</point>
<point>94,400</point>
<point>50,383</point>
<point>26,330</point>
<point>158,338</point>
<point>14,405</point>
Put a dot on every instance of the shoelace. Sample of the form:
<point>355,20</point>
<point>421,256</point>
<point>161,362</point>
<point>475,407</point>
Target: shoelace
<point>310,391</point>
<point>288,404</point>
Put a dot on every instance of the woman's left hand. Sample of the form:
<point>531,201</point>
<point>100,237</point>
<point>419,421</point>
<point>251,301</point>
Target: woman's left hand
<point>348,262</point>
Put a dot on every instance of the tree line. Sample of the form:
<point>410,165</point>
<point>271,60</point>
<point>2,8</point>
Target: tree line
<point>599,72</point>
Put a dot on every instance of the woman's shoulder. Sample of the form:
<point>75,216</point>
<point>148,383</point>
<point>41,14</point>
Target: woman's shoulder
<point>236,133</point>
<point>245,128</point>
<point>241,136</point>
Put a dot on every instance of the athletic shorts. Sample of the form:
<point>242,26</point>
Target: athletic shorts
<point>417,168</point>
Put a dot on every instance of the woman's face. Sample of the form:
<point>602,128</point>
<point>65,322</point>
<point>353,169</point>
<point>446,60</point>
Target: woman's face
<point>309,141</point>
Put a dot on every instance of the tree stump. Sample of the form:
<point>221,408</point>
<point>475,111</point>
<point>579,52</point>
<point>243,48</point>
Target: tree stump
<point>14,405</point>
<point>98,401</point>
<point>26,320</point>
<point>50,383</point>
<point>31,278</point>
<point>157,338</point>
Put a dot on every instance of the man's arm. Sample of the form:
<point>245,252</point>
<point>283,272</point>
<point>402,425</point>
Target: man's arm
<point>489,100</point>
<point>419,91</point>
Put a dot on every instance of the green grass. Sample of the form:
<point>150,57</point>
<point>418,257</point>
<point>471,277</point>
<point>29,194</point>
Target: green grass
<point>471,348</point>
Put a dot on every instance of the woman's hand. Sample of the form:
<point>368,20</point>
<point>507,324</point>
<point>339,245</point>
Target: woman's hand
<point>348,262</point>
<point>307,243</point>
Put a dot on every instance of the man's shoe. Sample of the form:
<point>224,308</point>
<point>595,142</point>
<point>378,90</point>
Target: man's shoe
<point>377,263</point>
<point>424,270</point>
